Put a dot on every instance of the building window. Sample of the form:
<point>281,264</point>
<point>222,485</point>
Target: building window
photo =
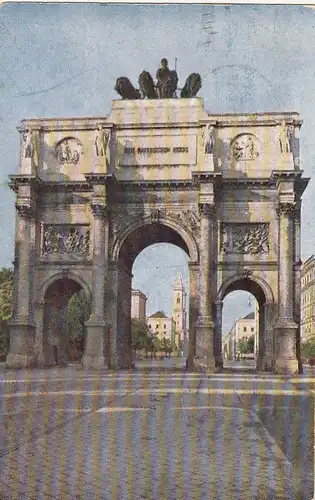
<point>164,326</point>
<point>252,329</point>
<point>150,326</point>
<point>178,300</point>
<point>157,325</point>
<point>245,329</point>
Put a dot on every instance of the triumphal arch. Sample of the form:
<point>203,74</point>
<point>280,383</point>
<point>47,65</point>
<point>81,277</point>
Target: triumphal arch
<point>94,192</point>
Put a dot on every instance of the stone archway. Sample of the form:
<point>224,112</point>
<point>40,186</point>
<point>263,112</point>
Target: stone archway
<point>56,294</point>
<point>267,312</point>
<point>127,247</point>
<point>233,204</point>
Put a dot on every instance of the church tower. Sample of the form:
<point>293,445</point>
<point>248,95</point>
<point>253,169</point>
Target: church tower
<point>179,311</point>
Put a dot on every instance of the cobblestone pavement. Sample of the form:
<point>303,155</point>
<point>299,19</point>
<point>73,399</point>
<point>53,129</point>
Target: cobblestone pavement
<point>155,434</point>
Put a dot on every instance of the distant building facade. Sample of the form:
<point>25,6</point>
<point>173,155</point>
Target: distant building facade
<point>138,305</point>
<point>161,326</point>
<point>243,328</point>
<point>179,311</point>
<point>308,299</point>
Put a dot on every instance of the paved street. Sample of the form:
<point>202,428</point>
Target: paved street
<point>156,433</point>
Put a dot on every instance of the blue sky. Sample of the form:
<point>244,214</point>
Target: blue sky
<point>63,60</point>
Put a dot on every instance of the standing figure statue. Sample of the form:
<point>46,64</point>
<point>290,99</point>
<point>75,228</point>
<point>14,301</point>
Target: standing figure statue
<point>166,81</point>
<point>101,141</point>
<point>209,139</point>
<point>28,144</point>
<point>284,138</point>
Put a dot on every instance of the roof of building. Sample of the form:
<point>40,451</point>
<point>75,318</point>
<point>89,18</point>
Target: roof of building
<point>138,292</point>
<point>158,314</point>
<point>308,264</point>
<point>250,316</point>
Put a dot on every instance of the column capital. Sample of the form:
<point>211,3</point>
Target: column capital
<point>286,209</point>
<point>25,209</point>
<point>99,210</point>
<point>207,209</point>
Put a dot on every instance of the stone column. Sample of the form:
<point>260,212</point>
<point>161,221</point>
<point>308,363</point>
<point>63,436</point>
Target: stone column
<point>265,359</point>
<point>286,328</point>
<point>193,310</point>
<point>205,325</point>
<point>94,347</point>
<point>113,316</point>
<point>218,335</point>
<point>22,328</point>
<point>297,279</point>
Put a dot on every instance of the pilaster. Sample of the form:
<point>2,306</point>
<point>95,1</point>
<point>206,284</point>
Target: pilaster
<point>286,328</point>
<point>218,335</point>
<point>22,326</point>
<point>205,325</point>
<point>193,310</point>
<point>94,348</point>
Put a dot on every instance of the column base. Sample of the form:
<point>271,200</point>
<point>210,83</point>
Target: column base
<point>94,362</point>
<point>219,363</point>
<point>20,361</point>
<point>93,358</point>
<point>286,362</point>
<point>204,343</point>
<point>21,354</point>
<point>285,366</point>
<point>265,364</point>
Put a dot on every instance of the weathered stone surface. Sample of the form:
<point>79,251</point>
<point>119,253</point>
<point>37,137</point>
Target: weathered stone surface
<point>92,193</point>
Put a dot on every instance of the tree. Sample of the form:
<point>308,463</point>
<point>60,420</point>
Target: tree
<point>6,293</point>
<point>140,335</point>
<point>251,344</point>
<point>308,348</point>
<point>246,345</point>
<point>6,298</point>
<point>79,310</point>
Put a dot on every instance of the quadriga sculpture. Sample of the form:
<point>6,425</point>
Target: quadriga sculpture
<point>146,85</point>
<point>125,88</point>
<point>167,81</point>
<point>192,86</point>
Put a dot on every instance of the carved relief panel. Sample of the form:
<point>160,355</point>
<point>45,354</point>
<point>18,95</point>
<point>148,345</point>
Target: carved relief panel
<point>244,147</point>
<point>69,151</point>
<point>246,239</point>
<point>66,239</point>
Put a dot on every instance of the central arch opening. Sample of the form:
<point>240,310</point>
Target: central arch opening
<point>240,327</point>
<point>243,324</point>
<point>154,331</point>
